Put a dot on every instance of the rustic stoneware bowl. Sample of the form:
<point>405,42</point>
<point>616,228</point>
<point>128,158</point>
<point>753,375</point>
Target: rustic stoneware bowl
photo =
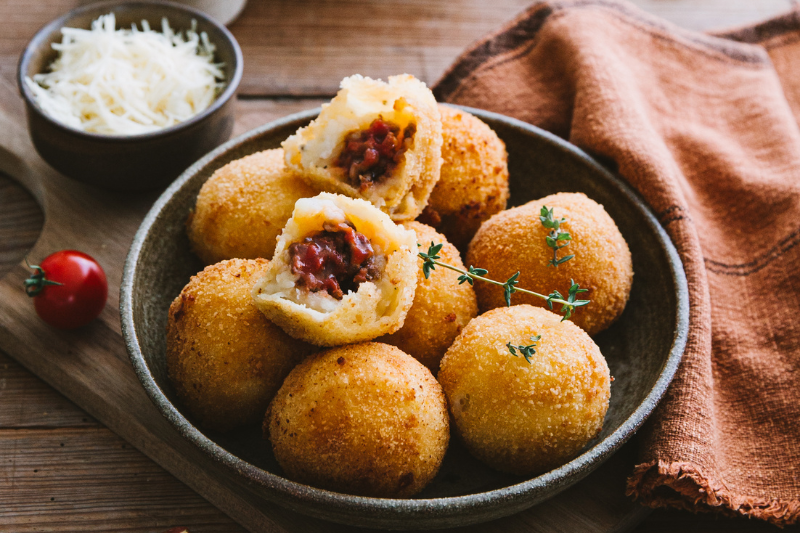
<point>133,162</point>
<point>643,348</point>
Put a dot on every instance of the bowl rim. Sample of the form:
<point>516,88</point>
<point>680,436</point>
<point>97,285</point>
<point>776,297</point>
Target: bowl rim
<point>279,488</point>
<point>37,42</point>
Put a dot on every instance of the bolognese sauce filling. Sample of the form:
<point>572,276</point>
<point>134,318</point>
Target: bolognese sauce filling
<point>371,155</point>
<point>336,260</point>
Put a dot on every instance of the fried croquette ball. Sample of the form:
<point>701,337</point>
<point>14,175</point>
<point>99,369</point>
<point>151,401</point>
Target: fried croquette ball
<point>519,417</point>
<point>380,141</point>
<point>224,358</point>
<point>243,207</point>
<point>474,177</point>
<point>515,241</point>
<point>441,308</point>
<point>362,419</point>
<point>343,272</point>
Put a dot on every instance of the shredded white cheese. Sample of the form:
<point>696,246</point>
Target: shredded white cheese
<point>128,82</point>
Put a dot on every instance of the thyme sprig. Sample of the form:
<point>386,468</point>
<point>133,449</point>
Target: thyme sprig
<point>557,238</point>
<point>526,351</point>
<point>568,305</point>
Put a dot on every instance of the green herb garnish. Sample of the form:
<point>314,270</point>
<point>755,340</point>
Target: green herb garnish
<point>526,351</point>
<point>431,261</point>
<point>557,238</point>
<point>572,302</point>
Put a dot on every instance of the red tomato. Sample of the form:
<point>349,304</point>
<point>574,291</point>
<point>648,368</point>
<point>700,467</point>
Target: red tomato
<point>69,289</point>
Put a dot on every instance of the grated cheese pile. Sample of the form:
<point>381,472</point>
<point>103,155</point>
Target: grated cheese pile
<point>128,82</point>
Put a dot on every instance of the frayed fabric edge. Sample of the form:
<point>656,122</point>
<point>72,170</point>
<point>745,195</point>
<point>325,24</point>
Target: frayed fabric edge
<point>686,486</point>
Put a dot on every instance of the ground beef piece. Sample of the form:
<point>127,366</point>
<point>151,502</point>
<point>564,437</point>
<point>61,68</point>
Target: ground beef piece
<point>336,260</point>
<point>371,155</point>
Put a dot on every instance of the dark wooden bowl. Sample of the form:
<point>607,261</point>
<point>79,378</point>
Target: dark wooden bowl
<point>643,347</point>
<point>134,162</point>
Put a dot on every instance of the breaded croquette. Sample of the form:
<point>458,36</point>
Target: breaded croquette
<point>380,141</point>
<point>243,207</point>
<point>524,417</point>
<point>515,241</point>
<point>362,419</point>
<point>442,306</point>
<point>224,358</point>
<point>343,272</point>
<point>474,177</point>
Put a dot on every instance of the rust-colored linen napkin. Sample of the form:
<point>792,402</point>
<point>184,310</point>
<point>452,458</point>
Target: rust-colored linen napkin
<point>705,127</point>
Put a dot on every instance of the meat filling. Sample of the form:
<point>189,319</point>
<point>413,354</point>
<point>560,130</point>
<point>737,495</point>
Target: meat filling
<point>371,155</point>
<point>336,260</point>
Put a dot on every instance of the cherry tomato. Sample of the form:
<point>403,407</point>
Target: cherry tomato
<point>69,289</point>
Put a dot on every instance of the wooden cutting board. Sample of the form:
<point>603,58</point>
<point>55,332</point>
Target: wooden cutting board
<point>90,366</point>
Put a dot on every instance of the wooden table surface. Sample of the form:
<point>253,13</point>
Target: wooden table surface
<point>60,470</point>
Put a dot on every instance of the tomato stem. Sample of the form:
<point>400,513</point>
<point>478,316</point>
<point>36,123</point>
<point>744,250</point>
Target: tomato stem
<point>35,284</point>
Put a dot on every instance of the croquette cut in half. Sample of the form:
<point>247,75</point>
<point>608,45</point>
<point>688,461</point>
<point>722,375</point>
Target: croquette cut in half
<point>242,208</point>
<point>519,417</point>
<point>364,419</point>
<point>442,306</point>
<point>515,241</point>
<point>474,178</point>
<point>224,358</point>
<point>343,272</point>
<point>375,140</point>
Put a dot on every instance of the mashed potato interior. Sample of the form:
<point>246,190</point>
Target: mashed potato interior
<point>311,215</point>
<point>360,101</point>
<point>362,104</point>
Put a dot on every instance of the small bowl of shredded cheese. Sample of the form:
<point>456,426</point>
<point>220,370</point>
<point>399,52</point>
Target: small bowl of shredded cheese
<point>127,95</point>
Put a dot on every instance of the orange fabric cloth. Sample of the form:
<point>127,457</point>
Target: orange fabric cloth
<point>705,127</point>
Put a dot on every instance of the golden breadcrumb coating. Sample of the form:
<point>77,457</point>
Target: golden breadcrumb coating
<point>403,101</point>
<point>474,177</point>
<point>376,307</point>
<point>243,207</point>
<point>514,241</point>
<point>224,358</point>
<point>441,308</point>
<point>362,419</point>
<point>524,418</point>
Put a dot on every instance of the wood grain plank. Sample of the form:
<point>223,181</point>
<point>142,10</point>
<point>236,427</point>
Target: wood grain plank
<point>64,479</point>
<point>21,20</point>
<point>252,113</point>
<point>27,402</point>
<point>21,221</point>
<point>306,48</point>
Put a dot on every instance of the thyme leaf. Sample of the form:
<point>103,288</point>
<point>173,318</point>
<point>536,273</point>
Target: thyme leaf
<point>429,259</point>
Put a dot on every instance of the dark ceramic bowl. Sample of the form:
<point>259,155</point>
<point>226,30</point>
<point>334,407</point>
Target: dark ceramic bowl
<point>134,162</point>
<point>643,347</point>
